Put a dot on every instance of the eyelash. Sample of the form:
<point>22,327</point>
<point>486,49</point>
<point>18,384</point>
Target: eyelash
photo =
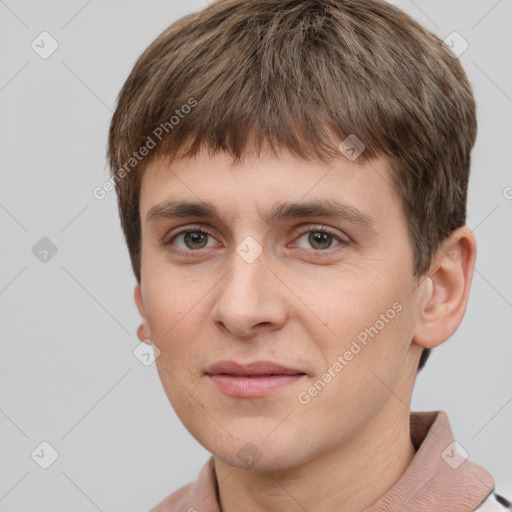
<point>310,229</point>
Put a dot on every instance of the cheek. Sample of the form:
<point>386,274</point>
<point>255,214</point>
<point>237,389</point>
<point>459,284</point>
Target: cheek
<point>172,305</point>
<point>362,365</point>
<point>177,327</point>
<point>176,330</point>
<point>366,323</point>
<point>179,321</point>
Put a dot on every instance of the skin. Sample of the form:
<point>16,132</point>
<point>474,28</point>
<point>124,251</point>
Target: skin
<point>301,306</point>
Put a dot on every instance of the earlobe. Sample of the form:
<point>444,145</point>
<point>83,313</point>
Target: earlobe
<point>144,334</point>
<point>446,289</point>
<point>143,331</point>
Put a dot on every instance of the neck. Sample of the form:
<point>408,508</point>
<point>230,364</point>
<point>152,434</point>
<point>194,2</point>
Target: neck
<point>350,477</point>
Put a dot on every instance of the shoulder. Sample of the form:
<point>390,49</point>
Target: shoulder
<point>494,503</point>
<point>175,501</point>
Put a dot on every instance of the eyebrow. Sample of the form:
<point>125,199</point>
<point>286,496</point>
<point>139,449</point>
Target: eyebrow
<point>335,209</point>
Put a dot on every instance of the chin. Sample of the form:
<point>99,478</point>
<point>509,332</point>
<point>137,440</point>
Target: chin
<point>258,451</point>
<point>251,458</point>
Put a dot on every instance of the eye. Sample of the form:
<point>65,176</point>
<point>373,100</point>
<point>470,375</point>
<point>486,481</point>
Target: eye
<point>320,239</point>
<point>189,240</point>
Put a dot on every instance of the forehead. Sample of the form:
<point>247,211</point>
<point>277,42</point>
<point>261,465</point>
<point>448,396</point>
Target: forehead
<point>268,186</point>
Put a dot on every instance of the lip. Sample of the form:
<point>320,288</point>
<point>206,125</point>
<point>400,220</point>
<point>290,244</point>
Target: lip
<point>251,369</point>
<point>254,379</point>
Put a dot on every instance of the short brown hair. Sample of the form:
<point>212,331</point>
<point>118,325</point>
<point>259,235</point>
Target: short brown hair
<point>303,75</point>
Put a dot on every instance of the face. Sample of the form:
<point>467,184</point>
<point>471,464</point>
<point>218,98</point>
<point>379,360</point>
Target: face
<point>281,262</point>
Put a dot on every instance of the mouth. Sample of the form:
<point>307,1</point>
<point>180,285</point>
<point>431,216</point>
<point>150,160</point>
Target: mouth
<point>251,380</point>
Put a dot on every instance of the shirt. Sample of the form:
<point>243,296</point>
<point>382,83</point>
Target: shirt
<point>439,478</point>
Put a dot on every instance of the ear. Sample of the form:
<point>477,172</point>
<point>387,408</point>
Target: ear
<point>143,331</point>
<point>446,289</point>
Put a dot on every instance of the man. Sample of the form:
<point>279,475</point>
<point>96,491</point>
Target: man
<point>292,183</point>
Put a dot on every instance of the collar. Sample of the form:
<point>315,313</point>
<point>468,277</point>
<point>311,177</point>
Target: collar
<point>438,478</point>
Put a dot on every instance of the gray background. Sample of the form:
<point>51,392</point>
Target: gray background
<point>68,375</point>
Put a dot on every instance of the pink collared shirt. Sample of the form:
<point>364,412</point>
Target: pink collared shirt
<point>438,478</point>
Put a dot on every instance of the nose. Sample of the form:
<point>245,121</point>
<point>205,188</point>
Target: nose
<point>250,298</point>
